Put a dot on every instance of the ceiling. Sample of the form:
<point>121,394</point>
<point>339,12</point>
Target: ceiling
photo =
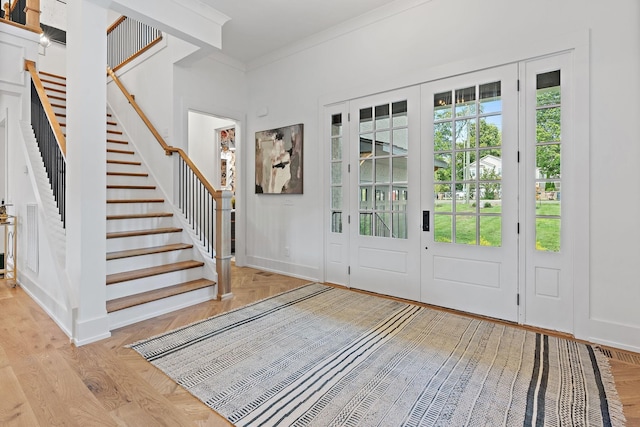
<point>259,27</point>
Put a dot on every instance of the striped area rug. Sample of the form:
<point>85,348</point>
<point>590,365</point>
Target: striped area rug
<point>321,356</point>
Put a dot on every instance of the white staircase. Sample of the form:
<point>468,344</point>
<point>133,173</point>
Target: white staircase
<point>152,264</point>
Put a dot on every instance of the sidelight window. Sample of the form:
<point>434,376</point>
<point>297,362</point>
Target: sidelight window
<point>335,173</point>
<point>548,161</point>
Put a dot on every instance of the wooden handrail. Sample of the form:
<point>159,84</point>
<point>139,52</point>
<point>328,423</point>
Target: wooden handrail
<point>138,53</point>
<point>116,23</point>
<point>169,150</point>
<point>30,66</point>
<point>215,193</point>
<point>32,13</point>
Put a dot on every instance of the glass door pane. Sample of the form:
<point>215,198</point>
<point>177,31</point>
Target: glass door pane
<point>382,170</point>
<point>467,148</point>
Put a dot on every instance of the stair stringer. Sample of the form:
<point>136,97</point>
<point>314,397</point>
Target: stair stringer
<point>63,312</point>
<point>44,192</point>
<point>210,262</point>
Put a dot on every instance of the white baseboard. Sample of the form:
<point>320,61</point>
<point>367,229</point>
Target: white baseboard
<point>288,269</point>
<point>55,310</point>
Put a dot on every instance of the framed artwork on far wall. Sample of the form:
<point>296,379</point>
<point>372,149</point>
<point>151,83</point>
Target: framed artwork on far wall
<point>226,138</point>
<point>279,160</point>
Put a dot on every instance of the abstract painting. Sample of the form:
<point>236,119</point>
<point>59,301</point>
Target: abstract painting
<point>279,160</point>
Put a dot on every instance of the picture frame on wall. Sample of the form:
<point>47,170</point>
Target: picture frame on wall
<point>279,160</point>
<point>226,138</point>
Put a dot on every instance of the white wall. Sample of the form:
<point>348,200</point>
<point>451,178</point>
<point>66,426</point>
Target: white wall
<point>53,59</point>
<point>415,45</point>
<point>54,14</point>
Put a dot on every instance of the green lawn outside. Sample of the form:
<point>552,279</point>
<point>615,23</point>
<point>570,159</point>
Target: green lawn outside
<point>547,229</point>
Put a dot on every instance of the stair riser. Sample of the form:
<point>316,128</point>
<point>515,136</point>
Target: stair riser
<point>135,242</point>
<point>127,193</point>
<point>133,287</point>
<point>128,180</point>
<point>122,156</point>
<point>114,167</point>
<point>138,224</point>
<point>139,313</point>
<point>145,261</point>
<point>59,106</point>
<point>134,208</point>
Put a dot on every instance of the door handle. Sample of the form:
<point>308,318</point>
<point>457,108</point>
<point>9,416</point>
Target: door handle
<point>425,220</point>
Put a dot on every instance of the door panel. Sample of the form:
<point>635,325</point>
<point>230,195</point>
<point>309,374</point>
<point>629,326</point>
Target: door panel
<point>384,160</point>
<point>548,192</point>
<point>469,256</point>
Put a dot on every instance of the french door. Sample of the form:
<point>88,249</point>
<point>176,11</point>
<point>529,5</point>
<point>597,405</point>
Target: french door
<point>459,193</point>
<point>469,242</point>
<point>384,182</point>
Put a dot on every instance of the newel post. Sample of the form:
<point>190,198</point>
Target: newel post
<point>32,12</point>
<point>223,243</point>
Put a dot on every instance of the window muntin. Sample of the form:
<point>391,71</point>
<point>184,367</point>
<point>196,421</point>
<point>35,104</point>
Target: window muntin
<point>548,151</point>
<point>382,170</point>
<point>467,147</point>
<point>336,188</point>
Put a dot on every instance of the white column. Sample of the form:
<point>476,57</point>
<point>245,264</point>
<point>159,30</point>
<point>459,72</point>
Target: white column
<point>86,167</point>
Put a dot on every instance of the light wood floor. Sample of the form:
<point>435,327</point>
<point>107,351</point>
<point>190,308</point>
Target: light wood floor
<point>45,381</point>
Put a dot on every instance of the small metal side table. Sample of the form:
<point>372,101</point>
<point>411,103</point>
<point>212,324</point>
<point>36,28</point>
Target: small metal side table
<point>8,264</point>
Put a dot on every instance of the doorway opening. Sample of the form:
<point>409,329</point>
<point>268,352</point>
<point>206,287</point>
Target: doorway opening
<point>212,144</point>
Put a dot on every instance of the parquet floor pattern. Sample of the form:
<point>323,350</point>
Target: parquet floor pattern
<point>45,381</point>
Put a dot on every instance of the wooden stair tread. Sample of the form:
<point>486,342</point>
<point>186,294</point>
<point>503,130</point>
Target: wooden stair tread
<point>133,233</point>
<point>52,89</point>
<point>131,187</point>
<point>58,105</point>
<point>127,174</point>
<point>152,271</point>
<point>148,251</point>
<point>112,123</point>
<point>124,162</point>
<point>60,115</point>
<point>135,201</point>
<point>53,82</point>
<point>52,75</point>
<point>117,141</point>
<point>140,215</point>
<point>113,150</point>
<point>59,98</point>
<point>117,132</point>
<point>158,294</point>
